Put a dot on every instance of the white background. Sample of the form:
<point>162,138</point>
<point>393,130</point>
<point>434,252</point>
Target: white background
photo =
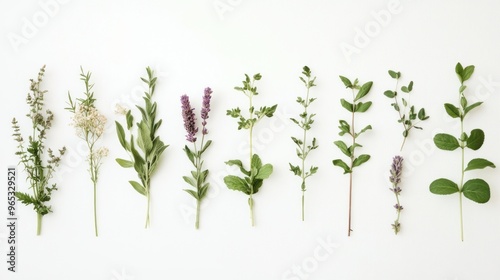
<point>194,44</point>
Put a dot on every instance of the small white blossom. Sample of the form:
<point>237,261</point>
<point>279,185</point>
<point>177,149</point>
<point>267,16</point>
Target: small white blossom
<point>88,122</point>
<point>120,110</point>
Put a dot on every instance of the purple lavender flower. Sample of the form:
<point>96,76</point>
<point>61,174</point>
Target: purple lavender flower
<point>207,95</point>
<point>396,169</point>
<point>189,119</point>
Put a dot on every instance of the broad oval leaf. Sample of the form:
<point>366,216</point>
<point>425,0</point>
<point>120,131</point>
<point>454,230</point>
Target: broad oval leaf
<point>236,183</point>
<point>264,172</point>
<point>363,91</point>
<point>477,190</point>
<point>340,163</point>
<point>363,107</point>
<point>446,141</point>
<point>256,162</point>
<point>390,93</point>
<point>452,110</point>
<point>360,160</point>
<point>348,106</point>
<point>479,163</point>
<point>138,187</point>
<point>443,186</point>
<point>346,81</point>
<point>476,139</point>
<point>467,72</point>
<point>343,148</point>
<point>124,163</point>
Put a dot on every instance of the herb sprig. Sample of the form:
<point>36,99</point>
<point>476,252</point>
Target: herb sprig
<point>89,125</point>
<point>358,93</point>
<point>39,169</point>
<point>306,120</point>
<point>395,179</point>
<point>254,177</point>
<point>475,189</point>
<point>407,114</point>
<point>145,159</point>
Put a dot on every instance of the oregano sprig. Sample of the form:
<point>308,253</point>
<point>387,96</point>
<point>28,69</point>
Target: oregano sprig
<point>306,120</point>
<point>39,162</point>
<point>89,125</point>
<point>475,189</point>
<point>253,177</point>
<point>143,145</point>
<point>356,106</point>
<point>198,176</point>
<point>407,113</point>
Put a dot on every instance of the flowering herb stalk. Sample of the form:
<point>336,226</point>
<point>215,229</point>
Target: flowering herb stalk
<point>305,124</point>
<point>349,129</point>
<point>89,125</point>
<point>39,168</point>
<point>407,114</point>
<point>143,145</point>
<point>395,179</point>
<point>198,176</point>
<point>475,189</point>
<point>254,177</point>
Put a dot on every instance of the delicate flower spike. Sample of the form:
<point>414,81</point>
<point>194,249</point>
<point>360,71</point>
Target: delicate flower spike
<point>395,179</point>
<point>396,169</point>
<point>207,95</point>
<point>189,119</point>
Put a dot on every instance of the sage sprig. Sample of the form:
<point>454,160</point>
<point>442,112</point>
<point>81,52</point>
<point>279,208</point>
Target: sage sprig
<point>198,176</point>
<point>143,135</point>
<point>395,179</point>
<point>39,162</point>
<point>475,189</point>
<point>407,113</point>
<point>306,120</point>
<point>253,177</point>
<point>89,125</point>
<point>355,106</point>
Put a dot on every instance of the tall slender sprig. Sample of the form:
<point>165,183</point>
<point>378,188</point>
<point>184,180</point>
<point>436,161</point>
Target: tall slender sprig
<point>39,168</point>
<point>395,179</point>
<point>407,114</point>
<point>306,120</point>
<point>89,125</point>
<point>143,135</point>
<point>475,189</point>
<point>254,177</point>
<point>358,92</point>
<point>198,176</point>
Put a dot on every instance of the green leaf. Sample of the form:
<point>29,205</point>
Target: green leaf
<point>236,183</point>
<point>189,180</point>
<point>346,105</point>
<point>479,163</point>
<point>203,190</point>
<point>138,187</point>
<point>394,74</point>
<point>130,119</point>
<point>256,162</point>
<point>346,82</point>
<point>295,169</point>
<point>189,154</point>
<point>192,193</point>
<point>472,106</point>
<point>343,147</point>
<point>363,91</point>
<point>25,198</point>
<point>264,172</point>
<point>467,72</point>
<point>459,70</point>
<point>238,163</point>
<point>477,190</point>
<point>360,160</point>
<point>363,107</point>
<point>124,163</point>
<point>209,142</point>
<point>476,139</point>
<point>421,115</point>
<point>121,135</point>
<point>390,93</point>
<point>452,110</point>
<point>368,127</point>
<point>340,163</point>
<point>144,140</point>
<point>443,186</point>
<point>446,142</point>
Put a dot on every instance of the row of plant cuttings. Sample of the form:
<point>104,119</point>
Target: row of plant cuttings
<point>138,137</point>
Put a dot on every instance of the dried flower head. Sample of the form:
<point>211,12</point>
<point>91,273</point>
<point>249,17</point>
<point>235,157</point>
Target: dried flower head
<point>88,122</point>
<point>207,95</point>
<point>189,119</point>
<point>396,169</point>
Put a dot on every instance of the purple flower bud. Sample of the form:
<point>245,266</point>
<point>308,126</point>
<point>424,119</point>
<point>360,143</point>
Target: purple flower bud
<point>189,119</point>
<point>207,95</point>
<point>396,170</point>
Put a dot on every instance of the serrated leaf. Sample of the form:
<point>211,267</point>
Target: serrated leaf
<point>348,106</point>
<point>446,142</point>
<point>477,190</point>
<point>264,172</point>
<point>452,110</point>
<point>340,163</point>
<point>443,186</point>
<point>343,147</point>
<point>236,183</point>
<point>360,160</point>
<point>363,91</point>
<point>124,163</point>
<point>475,140</point>
<point>479,163</point>
<point>295,169</point>
<point>138,187</point>
<point>346,81</point>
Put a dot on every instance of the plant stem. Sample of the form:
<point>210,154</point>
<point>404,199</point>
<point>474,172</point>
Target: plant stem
<point>250,203</point>
<point>197,222</point>
<point>39,224</point>
<point>462,179</point>
<point>304,139</point>
<point>198,181</point>
<point>147,209</point>
<point>95,209</point>
<point>396,223</point>
<point>303,192</point>
<point>402,145</point>
<point>353,133</point>
<point>250,200</point>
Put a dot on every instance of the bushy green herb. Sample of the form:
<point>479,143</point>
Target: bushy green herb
<point>407,114</point>
<point>145,159</point>
<point>254,177</point>
<point>303,149</point>
<point>358,93</point>
<point>475,189</point>
<point>39,168</point>
<point>89,125</point>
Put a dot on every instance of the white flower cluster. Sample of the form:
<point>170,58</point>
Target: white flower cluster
<point>89,123</point>
<point>99,154</point>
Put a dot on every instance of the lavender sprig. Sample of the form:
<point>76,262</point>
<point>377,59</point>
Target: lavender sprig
<point>199,176</point>
<point>395,179</point>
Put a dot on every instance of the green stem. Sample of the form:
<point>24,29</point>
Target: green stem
<point>353,133</point>
<point>250,200</point>
<point>250,203</point>
<point>147,210</point>
<point>462,180</point>
<point>303,193</point>
<point>95,209</point>
<point>396,223</point>
<point>39,224</point>
<point>304,139</point>
<point>197,223</point>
